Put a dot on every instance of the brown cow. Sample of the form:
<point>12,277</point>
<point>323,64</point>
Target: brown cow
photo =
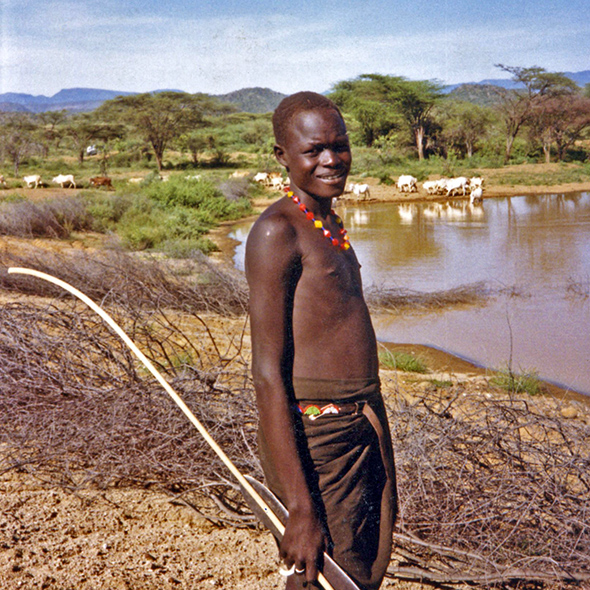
<point>101,181</point>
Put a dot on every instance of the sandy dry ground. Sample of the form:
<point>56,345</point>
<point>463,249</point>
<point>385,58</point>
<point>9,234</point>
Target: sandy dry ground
<point>139,539</point>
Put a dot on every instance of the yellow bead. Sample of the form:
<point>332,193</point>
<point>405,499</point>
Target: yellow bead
<point>318,224</point>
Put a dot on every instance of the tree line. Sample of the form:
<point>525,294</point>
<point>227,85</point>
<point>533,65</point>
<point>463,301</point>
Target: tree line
<point>552,110</point>
<point>416,119</point>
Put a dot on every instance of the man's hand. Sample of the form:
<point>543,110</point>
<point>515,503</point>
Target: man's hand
<point>303,543</point>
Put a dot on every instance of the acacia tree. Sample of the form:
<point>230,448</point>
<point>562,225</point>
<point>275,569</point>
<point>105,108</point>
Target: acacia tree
<point>383,104</point>
<point>417,102</point>
<point>367,101</point>
<point>17,134</point>
<point>159,119</point>
<point>50,130</point>
<point>194,142</point>
<point>464,125</point>
<point>87,128</point>
<point>517,105</point>
<point>560,120</point>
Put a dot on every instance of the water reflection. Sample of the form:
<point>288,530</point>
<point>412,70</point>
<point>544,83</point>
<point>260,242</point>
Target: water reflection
<point>539,247</point>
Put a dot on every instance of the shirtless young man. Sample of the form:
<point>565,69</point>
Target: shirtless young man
<point>324,439</point>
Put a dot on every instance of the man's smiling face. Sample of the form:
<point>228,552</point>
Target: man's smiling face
<point>316,153</point>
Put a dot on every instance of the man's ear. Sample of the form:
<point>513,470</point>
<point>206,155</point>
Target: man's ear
<point>280,155</point>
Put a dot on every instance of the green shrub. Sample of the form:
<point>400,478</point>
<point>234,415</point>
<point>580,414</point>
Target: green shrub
<point>527,382</point>
<point>106,209</point>
<point>402,361</point>
<point>200,194</point>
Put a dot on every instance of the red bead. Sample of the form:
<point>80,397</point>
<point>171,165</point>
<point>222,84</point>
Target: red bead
<point>335,242</point>
<point>309,215</point>
<point>327,233</point>
<point>303,207</point>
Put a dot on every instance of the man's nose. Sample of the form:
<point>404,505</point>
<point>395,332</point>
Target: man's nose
<point>330,158</point>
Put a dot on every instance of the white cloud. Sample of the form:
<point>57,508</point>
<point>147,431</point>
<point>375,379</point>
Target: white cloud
<point>79,44</point>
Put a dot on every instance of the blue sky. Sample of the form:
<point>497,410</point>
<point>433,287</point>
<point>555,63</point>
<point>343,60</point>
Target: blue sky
<point>220,46</point>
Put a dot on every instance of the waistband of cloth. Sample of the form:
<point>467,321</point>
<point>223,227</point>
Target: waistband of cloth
<point>335,390</point>
<point>317,410</point>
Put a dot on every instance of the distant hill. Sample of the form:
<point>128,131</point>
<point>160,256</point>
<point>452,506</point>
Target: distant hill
<point>488,92</point>
<point>13,107</point>
<point>487,95</point>
<point>580,78</point>
<point>77,100</point>
<point>253,100</point>
<point>249,100</point>
<point>70,99</point>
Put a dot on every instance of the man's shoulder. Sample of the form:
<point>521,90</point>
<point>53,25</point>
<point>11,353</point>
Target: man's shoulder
<point>275,223</point>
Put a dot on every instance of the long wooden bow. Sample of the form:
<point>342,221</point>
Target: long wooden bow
<point>264,510</point>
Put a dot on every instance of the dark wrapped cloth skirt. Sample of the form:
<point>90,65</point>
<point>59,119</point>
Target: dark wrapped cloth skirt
<point>348,459</point>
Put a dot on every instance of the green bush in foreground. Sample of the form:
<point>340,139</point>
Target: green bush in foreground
<point>402,361</point>
<point>527,382</point>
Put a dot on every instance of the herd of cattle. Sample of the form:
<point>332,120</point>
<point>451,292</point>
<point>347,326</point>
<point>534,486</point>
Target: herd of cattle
<point>64,180</point>
<point>448,187</point>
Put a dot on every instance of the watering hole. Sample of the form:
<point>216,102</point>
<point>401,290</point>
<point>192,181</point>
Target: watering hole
<point>529,256</point>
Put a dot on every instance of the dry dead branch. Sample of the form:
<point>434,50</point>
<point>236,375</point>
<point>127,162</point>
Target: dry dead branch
<point>492,490</point>
<point>388,299</point>
<point>131,281</point>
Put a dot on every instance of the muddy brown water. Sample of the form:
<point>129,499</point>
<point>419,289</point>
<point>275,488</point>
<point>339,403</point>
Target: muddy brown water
<point>531,252</point>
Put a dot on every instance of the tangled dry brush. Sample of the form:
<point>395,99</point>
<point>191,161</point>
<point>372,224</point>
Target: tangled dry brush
<point>493,490</point>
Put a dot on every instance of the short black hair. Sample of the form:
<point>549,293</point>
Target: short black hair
<point>295,104</point>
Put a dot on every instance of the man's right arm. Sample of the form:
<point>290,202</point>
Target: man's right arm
<point>272,268</point>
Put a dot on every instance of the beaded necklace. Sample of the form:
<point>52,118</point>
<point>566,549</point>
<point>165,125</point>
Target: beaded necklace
<point>344,244</point>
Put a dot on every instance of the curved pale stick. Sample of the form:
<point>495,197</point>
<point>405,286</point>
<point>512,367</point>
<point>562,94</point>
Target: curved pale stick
<point>246,486</point>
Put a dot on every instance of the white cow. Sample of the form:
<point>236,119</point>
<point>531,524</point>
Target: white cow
<point>33,179</point>
<point>261,177</point>
<point>431,186</point>
<point>360,190</point>
<point>476,181</point>
<point>476,195</point>
<point>64,179</point>
<point>441,186</point>
<point>407,183</point>
<point>276,182</point>
<point>453,185</point>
